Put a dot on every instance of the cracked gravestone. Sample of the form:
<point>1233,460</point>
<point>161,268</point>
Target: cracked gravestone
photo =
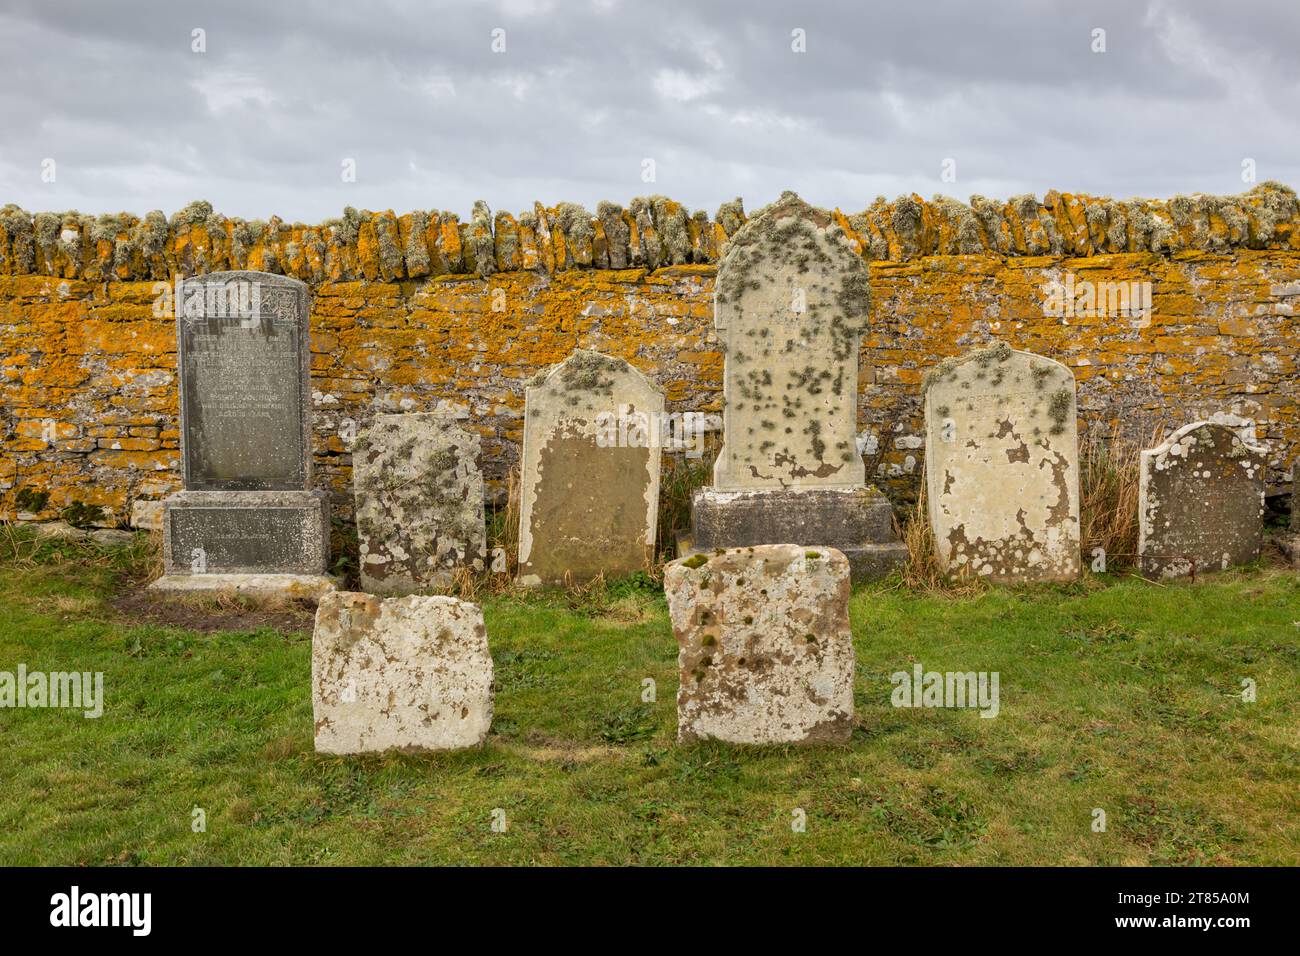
<point>1200,502</point>
<point>791,300</point>
<point>419,502</point>
<point>1002,466</point>
<point>247,518</point>
<point>411,673</point>
<point>589,479</point>
<point>765,653</point>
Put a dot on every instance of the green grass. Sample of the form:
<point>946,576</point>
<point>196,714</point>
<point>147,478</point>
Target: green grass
<point>1115,694</point>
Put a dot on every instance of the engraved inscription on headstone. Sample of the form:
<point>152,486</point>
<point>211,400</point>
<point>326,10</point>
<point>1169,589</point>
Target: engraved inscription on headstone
<point>237,539</point>
<point>244,360</point>
<point>247,518</point>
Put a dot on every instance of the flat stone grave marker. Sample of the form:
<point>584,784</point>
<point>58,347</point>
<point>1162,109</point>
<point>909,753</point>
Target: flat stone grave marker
<point>419,502</point>
<point>765,652</point>
<point>1002,466</point>
<point>409,673</point>
<point>1200,502</point>
<point>589,499</point>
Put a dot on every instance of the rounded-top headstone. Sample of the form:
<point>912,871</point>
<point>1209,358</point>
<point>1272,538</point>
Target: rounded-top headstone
<point>1200,502</point>
<point>589,479</point>
<point>1002,466</point>
<point>792,297</point>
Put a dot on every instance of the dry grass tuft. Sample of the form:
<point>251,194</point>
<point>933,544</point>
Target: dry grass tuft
<point>1108,494</point>
<point>678,481</point>
<point>922,571</point>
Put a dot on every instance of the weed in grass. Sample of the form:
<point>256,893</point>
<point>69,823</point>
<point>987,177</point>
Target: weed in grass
<point>625,723</point>
<point>1177,835</point>
<point>528,668</point>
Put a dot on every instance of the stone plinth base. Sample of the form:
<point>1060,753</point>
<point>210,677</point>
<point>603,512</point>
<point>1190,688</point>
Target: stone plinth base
<point>308,587</point>
<point>246,533</point>
<point>855,521</point>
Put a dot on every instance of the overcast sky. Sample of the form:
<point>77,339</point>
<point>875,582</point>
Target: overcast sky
<point>586,91</point>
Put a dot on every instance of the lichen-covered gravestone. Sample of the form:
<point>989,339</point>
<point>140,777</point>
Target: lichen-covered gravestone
<point>247,518</point>
<point>1290,542</point>
<point>792,298</point>
<point>419,502</point>
<point>1200,502</point>
<point>409,673</point>
<point>589,494</point>
<point>1002,466</point>
<point>765,652</point>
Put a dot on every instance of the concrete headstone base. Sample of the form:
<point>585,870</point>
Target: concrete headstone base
<point>855,521</point>
<point>309,587</point>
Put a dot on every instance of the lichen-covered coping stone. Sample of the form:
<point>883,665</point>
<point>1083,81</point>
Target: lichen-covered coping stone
<point>764,648</point>
<point>1002,466</point>
<point>792,298</point>
<point>419,502</point>
<point>589,499</point>
<point>409,673</point>
<point>1200,502</point>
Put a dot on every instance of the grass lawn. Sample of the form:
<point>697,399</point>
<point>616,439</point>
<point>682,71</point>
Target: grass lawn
<point>1115,694</point>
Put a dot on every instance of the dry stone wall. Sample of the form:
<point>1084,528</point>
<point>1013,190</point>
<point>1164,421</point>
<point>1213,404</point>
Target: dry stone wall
<point>424,313</point>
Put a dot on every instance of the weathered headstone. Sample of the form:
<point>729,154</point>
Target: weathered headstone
<point>246,519</point>
<point>1200,502</point>
<point>765,652</point>
<point>1290,541</point>
<point>589,495</point>
<point>792,298</point>
<point>1002,466</point>
<point>409,673</point>
<point>419,502</point>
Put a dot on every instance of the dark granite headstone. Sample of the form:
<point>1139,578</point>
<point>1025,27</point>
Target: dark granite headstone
<point>244,361</point>
<point>247,518</point>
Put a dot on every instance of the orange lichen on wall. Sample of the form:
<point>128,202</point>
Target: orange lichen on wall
<point>402,319</point>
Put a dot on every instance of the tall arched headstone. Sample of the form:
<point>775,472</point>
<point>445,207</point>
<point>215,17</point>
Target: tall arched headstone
<point>247,518</point>
<point>791,300</point>
<point>589,481</point>
<point>1200,502</point>
<point>1002,466</point>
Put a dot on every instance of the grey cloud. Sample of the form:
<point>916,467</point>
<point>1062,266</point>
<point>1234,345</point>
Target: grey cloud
<point>260,123</point>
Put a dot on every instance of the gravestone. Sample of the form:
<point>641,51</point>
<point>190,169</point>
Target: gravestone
<point>792,298</point>
<point>1002,466</point>
<point>1290,541</point>
<point>419,502</point>
<point>765,652</point>
<point>247,518</point>
<point>589,486</point>
<point>1200,502</point>
<point>409,673</point>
